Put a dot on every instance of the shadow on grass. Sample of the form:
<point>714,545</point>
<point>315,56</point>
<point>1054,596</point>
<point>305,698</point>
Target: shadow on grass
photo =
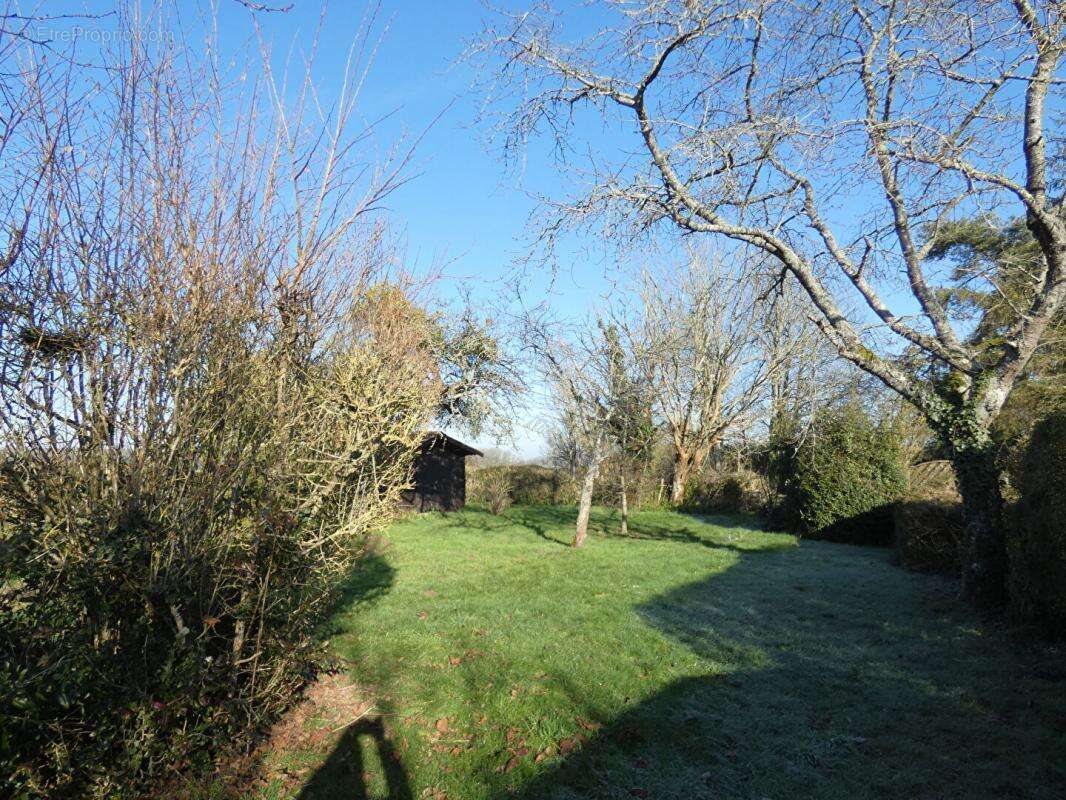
<point>539,520</point>
<point>370,580</point>
<point>543,520</point>
<point>555,524</point>
<point>826,674</point>
<point>342,777</point>
<point>839,678</point>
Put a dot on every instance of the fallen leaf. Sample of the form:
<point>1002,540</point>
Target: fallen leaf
<point>571,743</point>
<point>589,726</point>
<point>423,615</point>
<point>442,725</point>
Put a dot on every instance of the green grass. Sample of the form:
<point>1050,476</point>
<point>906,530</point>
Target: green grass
<point>699,659</point>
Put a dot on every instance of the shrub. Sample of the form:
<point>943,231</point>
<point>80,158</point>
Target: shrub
<point>845,475</point>
<point>932,480</point>
<point>202,421</point>
<point>1037,534</point>
<point>929,535</point>
<point>161,596</point>
<point>532,485</point>
<point>495,488</point>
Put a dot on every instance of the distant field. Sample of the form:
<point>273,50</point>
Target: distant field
<point>700,658</point>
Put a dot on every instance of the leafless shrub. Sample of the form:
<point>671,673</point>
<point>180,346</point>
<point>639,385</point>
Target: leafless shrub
<point>495,489</point>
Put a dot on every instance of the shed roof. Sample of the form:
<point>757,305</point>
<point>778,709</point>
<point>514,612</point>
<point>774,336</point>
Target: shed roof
<point>439,439</point>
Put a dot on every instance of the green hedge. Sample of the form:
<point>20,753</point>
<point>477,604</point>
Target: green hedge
<point>1037,535</point>
<point>160,605</point>
<point>841,480</point>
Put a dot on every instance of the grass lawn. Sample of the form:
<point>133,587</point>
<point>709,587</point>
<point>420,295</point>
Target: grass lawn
<point>700,658</point>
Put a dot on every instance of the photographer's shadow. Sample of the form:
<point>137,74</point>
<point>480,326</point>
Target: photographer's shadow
<point>342,777</point>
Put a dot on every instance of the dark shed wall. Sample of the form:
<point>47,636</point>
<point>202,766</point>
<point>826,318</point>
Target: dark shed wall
<point>439,481</point>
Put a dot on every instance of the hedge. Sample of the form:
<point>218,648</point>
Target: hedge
<point>841,480</point>
<point>530,485</point>
<point>1037,533</point>
<point>725,493</point>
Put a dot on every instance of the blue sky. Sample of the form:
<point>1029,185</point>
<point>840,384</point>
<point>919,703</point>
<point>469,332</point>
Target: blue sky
<point>465,209</point>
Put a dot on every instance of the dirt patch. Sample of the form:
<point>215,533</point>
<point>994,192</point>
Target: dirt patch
<point>328,706</point>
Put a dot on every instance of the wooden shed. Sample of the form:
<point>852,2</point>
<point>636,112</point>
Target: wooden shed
<point>439,476</point>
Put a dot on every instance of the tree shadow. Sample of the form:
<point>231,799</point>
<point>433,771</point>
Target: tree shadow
<point>370,580</point>
<point>343,775</point>
<point>605,523</point>
<point>543,519</point>
<point>832,681</point>
<point>554,524</point>
<point>817,671</point>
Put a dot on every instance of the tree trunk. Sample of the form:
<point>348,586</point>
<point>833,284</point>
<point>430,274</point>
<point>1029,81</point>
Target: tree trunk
<point>984,549</point>
<point>682,472</point>
<point>984,556</point>
<point>625,508</point>
<point>585,504</point>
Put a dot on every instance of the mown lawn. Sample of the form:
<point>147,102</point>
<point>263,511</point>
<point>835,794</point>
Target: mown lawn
<point>698,659</point>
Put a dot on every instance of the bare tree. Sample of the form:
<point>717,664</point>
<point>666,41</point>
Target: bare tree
<point>630,419</point>
<point>809,373</point>
<point>564,446</point>
<point>836,137</point>
<point>696,338</point>
<point>578,369</point>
